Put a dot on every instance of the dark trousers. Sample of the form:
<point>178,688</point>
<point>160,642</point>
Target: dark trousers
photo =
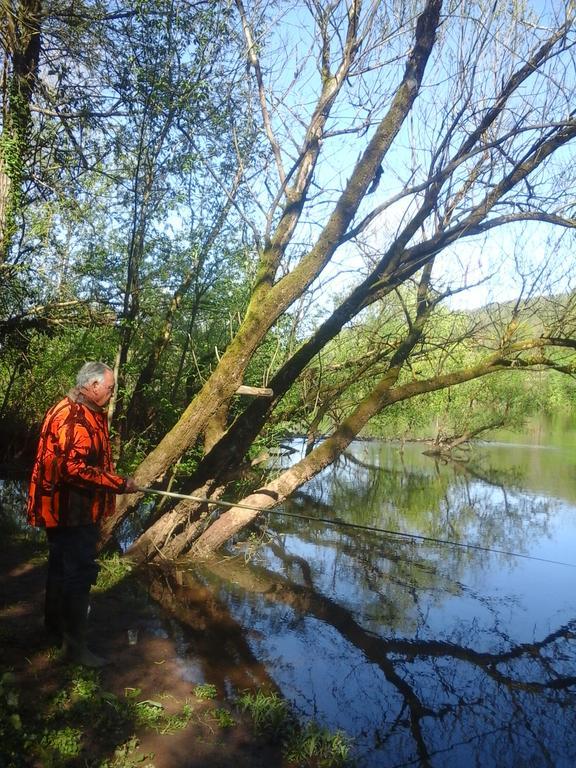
<point>72,569</point>
<point>72,557</point>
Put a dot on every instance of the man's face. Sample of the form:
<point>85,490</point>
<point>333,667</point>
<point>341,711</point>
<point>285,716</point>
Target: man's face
<point>100,392</point>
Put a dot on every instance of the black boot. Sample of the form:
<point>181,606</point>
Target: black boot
<point>75,628</point>
<point>53,610</point>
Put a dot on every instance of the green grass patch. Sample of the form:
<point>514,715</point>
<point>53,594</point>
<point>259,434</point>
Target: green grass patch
<point>62,728</point>
<point>205,691</point>
<point>223,718</point>
<point>125,757</point>
<point>315,746</point>
<point>113,570</point>
<point>308,745</point>
<point>269,713</point>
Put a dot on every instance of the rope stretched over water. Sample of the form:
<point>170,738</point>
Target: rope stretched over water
<point>357,526</point>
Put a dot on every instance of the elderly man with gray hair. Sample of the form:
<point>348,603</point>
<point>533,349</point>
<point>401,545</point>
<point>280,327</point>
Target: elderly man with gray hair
<point>72,489</point>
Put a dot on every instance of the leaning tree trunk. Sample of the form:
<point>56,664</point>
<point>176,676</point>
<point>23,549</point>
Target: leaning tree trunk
<point>275,492</point>
<point>270,300</point>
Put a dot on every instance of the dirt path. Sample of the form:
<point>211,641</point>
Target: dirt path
<point>154,670</point>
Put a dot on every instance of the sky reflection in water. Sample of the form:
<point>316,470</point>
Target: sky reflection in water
<point>428,654</point>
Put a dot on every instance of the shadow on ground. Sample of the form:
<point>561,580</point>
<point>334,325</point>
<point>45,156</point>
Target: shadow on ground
<point>143,709</point>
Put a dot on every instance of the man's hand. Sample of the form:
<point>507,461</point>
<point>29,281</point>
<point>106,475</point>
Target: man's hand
<point>131,486</point>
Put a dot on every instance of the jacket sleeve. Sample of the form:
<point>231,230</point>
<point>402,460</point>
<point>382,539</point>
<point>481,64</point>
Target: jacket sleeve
<point>80,463</point>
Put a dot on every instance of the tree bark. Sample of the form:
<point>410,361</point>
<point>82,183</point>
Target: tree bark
<point>269,302</point>
<point>22,30</point>
<point>383,395</point>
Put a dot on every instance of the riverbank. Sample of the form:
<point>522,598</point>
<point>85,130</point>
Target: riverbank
<point>149,707</point>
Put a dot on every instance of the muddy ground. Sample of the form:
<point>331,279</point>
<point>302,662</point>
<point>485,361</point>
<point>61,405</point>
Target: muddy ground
<point>157,668</point>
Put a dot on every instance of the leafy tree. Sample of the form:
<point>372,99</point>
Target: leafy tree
<point>223,163</point>
<point>472,154</point>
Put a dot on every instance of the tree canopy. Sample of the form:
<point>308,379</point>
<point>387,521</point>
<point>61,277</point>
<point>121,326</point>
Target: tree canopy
<point>296,196</point>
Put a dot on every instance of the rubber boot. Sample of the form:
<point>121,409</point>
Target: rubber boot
<point>53,620</point>
<point>74,646</point>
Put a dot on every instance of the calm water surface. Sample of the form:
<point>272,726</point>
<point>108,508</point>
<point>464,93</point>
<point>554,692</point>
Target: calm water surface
<point>425,654</point>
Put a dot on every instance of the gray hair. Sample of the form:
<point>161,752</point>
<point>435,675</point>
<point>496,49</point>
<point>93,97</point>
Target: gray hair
<point>92,371</point>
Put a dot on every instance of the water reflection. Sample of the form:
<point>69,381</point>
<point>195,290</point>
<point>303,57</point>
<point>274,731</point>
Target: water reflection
<point>426,655</point>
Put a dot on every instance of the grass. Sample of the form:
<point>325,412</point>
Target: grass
<point>269,713</point>
<point>124,757</point>
<point>308,745</point>
<point>82,724</point>
<point>223,718</point>
<point>113,570</point>
<point>205,691</point>
<point>313,745</point>
<point>65,724</point>
<point>61,729</point>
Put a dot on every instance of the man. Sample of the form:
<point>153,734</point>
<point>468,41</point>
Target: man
<point>72,489</point>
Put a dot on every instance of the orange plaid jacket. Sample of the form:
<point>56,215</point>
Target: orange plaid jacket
<point>73,480</point>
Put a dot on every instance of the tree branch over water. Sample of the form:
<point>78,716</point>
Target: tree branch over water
<point>393,656</point>
<point>282,196</point>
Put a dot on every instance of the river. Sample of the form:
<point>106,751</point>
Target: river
<point>425,653</point>
<point>452,647</point>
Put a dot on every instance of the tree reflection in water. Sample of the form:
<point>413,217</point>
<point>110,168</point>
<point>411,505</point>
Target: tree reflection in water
<point>428,656</point>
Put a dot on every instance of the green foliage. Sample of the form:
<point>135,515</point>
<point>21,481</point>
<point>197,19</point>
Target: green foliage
<point>223,718</point>
<point>11,157</point>
<point>145,195</point>
<point>124,757</point>
<point>60,728</point>
<point>205,691</point>
<point>177,722</point>
<point>511,396</point>
<point>306,745</point>
<point>47,368</point>
<point>59,731</point>
<point>113,570</point>
<point>57,745</point>
<point>452,341</point>
<point>143,228</point>
<point>11,163</point>
<point>269,713</point>
<point>315,746</point>
<point>151,714</point>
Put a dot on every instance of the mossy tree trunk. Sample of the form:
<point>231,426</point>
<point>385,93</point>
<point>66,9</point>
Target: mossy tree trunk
<point>469,189</point>
<point>21,24</point>
<point>271,299</point>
